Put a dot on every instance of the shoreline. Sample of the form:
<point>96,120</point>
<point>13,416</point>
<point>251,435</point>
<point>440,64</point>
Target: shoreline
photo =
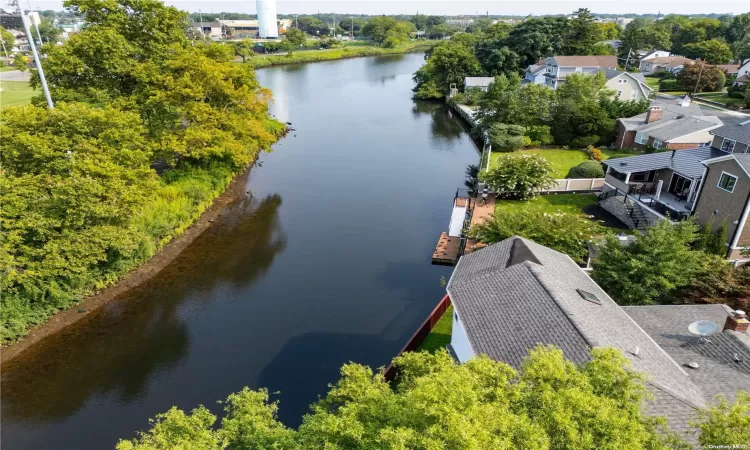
<point>134,278</point>
<point>260,62</point>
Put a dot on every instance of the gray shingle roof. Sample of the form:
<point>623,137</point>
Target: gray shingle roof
<point>743,159</point>
<point>718,374</point>
<point>612,73</point>
<point>670,111</point>
<point>506,311</point>
<point>685,162</point>
<point>735,128</point>
<point>666,130</point>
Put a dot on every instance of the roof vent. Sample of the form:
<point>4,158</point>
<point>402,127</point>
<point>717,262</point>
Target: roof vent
<point>519,253</point>
<point>588,296</point>
<point>623,163</point>
<point>693,365</point>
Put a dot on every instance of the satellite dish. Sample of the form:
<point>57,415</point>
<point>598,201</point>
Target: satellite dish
<point>702,328</point>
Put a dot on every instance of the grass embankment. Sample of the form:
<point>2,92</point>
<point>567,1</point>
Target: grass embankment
<point>182,196</point>
<point>440,336</point>
<point>15,93</point>
<point>560,203</point>
<point>561,160</point>
<point>349,51</point>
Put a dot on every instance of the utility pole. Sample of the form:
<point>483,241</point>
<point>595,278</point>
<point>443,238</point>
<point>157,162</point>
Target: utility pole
<point>200,14</point>
<point>38,61</point>
<point>296,23</point>
<point>695,89</point>
<point>627,61</point>
<point>351,31</point>
<point>334,26</point>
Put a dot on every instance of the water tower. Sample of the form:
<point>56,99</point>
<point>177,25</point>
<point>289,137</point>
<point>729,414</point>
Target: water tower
<point>267,26</point>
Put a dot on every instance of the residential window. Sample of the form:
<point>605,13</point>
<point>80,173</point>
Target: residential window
<point>643,176</point>
<point>641,138</point>
<point>619,94</point>
<point>633,93</point>
<point>657,143</point>
<point>622,81</point>
<point>727,182</point>
<point>579,69</point>
<point>728,145</point>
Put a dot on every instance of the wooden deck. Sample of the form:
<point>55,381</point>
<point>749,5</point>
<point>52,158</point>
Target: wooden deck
<point>446,251</point>
<point>481,212</point>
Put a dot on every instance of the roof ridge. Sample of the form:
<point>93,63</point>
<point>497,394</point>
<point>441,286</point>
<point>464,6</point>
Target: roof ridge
<point>673,394</point>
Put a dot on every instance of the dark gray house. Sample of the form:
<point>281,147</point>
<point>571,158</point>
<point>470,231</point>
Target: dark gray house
<point>511,296</point>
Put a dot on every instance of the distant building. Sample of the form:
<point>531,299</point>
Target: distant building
<point>558,67</point>
<point>268,28</point>
<point>481,83</point>
<point>240,29</point>
<point>622,21</point>
<point>628,86</point>
<point>673,64</point>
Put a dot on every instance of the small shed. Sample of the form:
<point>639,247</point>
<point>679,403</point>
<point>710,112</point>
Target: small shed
<point>481,83</point>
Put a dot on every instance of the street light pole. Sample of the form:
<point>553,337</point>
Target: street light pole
<point>38,61</point>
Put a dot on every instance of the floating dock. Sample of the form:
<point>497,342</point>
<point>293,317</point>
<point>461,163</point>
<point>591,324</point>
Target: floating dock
<point>447,249</point>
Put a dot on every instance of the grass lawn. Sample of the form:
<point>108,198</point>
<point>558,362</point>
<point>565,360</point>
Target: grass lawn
<point>652,82</point>
<point>720,97</point>
<point>7,68</point>
<point>552,203</point>
<point>15,93</point>
<point>440,336</point>
<point>560,160</point>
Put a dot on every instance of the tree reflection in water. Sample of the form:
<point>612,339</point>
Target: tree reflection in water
<point>140,334</point>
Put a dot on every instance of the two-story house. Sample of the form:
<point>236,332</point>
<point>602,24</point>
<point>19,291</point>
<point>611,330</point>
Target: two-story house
<point>534,74</point>
<point>672,64</point>
<point>626,85</point>
<point>559,67</point>
<point>711,183</point>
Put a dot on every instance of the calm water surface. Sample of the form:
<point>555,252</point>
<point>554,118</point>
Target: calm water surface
<point>326,260</point>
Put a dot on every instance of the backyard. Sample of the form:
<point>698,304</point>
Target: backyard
<point>440,336</point>
<point>14,93</point>
<point>561,160</point>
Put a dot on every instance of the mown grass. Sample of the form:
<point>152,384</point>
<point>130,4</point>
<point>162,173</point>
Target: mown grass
<point>720,97</point>
<point>561,160</point>
<point>440,336</point>
<point>15,93</point>
<point>350,51</point>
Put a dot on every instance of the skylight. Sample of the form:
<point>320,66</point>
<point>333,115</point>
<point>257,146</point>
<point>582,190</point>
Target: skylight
<point>588,296</point>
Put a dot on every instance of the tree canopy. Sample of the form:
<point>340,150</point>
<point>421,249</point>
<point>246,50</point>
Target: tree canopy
<point>549,404</point>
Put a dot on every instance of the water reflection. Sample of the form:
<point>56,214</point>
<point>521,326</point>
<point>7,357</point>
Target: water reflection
<point>137,336</point>
<point>445,128</point>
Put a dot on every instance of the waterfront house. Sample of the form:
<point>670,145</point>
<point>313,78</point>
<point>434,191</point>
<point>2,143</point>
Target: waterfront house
<point>558,67</point>
<point>627,86</point>
<point>711,182</point>
<point>667,125</point>
<point>511,296</point>
<point>534,74</point>
<point>673,64</point>
<point>481,83</point>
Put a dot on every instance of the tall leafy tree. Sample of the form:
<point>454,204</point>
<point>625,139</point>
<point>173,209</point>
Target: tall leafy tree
<point>701,77</point>
<point>378,27</point>
<point>712,51</point>
<point>7,38</point>
<point>519,175</point>
<point>447,63</point>
<point>538,37</point>
<point>653,267</point>
<point>577,113</point>
<point>549,403</point>
<point>313,26</point>
<point>583,33</point>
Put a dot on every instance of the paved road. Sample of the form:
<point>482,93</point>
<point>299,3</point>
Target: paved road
<point>15,75</point>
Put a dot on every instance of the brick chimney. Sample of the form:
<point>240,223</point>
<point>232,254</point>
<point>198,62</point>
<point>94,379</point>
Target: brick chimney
<point>737,322</point>
<point>654,113</point>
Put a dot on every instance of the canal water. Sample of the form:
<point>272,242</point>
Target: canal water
<point>326,260</point>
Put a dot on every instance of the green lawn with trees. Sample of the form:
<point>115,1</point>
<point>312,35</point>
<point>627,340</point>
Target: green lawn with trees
<point>560,160</point>
<point>81,203</point>
<point>437,403</point>
<point>15,93</point>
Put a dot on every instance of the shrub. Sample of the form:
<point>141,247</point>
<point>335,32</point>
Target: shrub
<point>519,175</point>
<point>564,232</point>
<point>505,137</point>
<point>669,85</point>
<point>584,141</point>
<point>539,135</point>
<point>587,169</point>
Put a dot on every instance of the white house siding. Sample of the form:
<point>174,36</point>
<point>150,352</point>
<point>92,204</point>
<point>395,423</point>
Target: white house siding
<point>460,341</point>
<point>656,54</point>
<point>744,69</point>
<point>627,88</point>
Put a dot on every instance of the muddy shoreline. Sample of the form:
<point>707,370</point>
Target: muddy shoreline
<point>143,273</point>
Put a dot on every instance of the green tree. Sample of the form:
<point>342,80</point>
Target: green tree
<point>21,62</point>
<point>549,403</point>
<point>296,37</point>
<point>398,34</point>
<point>644,34</point>
<point>48,31</point>
<point>701,77</point>
<point>448,62</point>
<point>564,232</point>
<point>313,26</point>
<point>496,58</point>
<point>577,117</point>
<point>505,137</point>
<point>653,267</point>
<point>586,169</point>
<point>583,33</point>
<point>519,175</point>
<point>712,51</point>
<point>378,27</point>
<point>243,48</point>
<point>538,37</point>
<point>479,25</point>
<point>720,282</point>
<point>7,38</point>
<point>693,32</point>
<point>724,425</point>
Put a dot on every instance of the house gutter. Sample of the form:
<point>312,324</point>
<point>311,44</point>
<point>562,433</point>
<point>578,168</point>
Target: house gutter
<point>740,227</point>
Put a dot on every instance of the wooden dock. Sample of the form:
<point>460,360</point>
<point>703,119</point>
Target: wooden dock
<point>446,251</point>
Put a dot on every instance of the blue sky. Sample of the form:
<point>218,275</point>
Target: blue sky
<point>536,7</point>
